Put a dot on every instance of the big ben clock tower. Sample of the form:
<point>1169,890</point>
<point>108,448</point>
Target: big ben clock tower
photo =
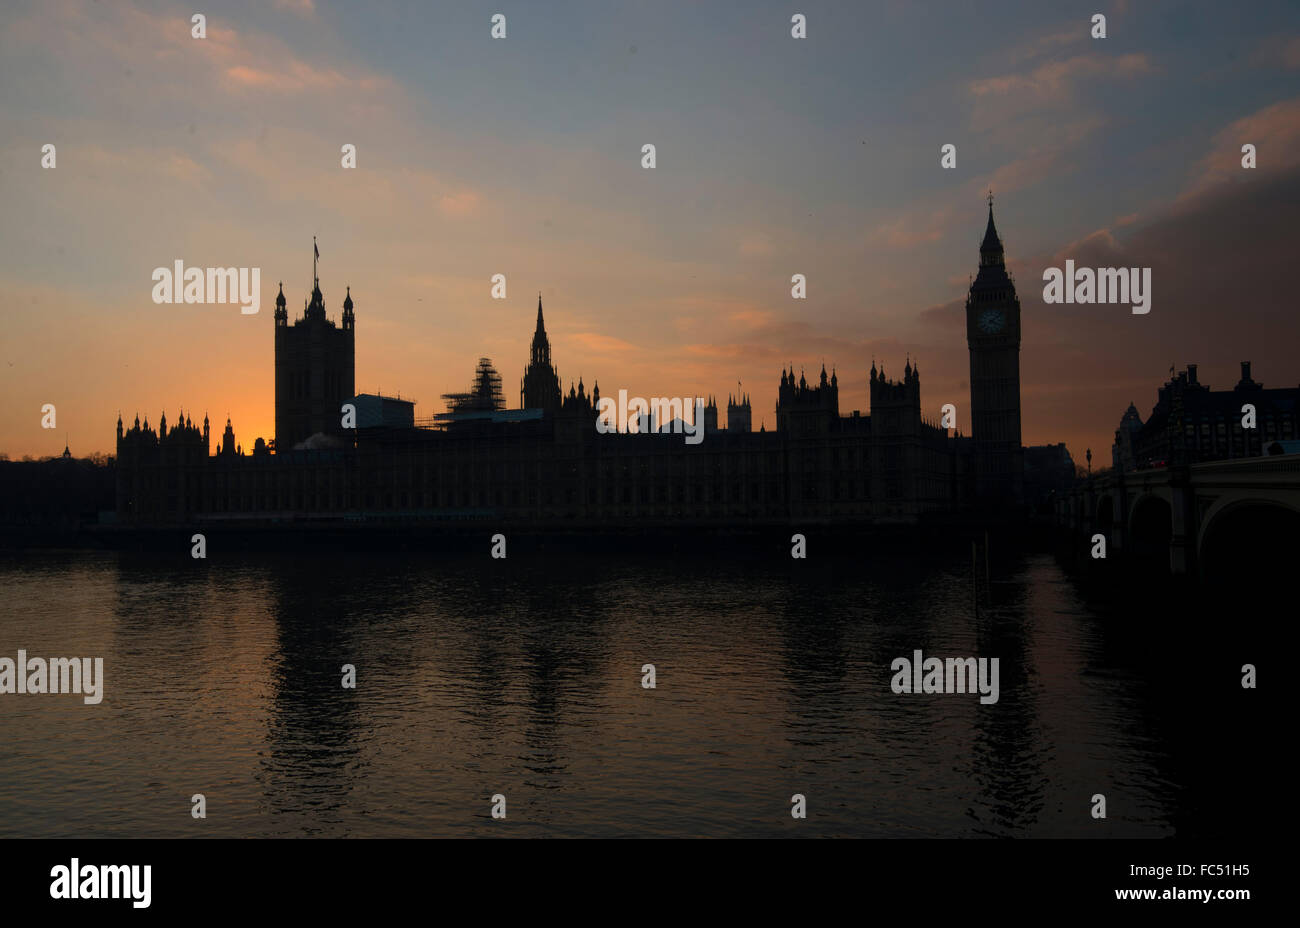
<point>993,336</point>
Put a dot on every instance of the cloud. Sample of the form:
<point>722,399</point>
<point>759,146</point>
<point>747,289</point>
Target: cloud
<point>603,344</point>
<point>925,223</point>
<point>1278,51</point>
<point>1052,80</point>
<point>111,39</point>
<point>1043,44</point>
<point>301,7</point>
<point>757,244</point>
<point>1049,86</point>
<point>1222,268</point>
<point>751,318</point>
<point>463,203</point>
<point>1275,133</point>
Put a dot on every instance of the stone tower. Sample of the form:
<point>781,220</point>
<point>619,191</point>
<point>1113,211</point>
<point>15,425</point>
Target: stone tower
<point>315,371</point>
<point>993,337</point>
<point>540,388</point>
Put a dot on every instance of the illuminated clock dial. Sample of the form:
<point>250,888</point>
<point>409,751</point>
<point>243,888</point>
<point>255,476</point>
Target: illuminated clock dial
<point>991,321</point>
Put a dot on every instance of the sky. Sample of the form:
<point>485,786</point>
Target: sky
<point>522,156</point>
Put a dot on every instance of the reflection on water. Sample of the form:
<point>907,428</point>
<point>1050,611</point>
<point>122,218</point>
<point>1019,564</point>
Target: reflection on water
<point>474,679</point>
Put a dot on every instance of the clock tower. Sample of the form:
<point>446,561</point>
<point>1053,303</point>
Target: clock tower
<point>993,336</point>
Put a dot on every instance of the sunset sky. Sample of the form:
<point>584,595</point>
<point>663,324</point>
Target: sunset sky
<point>522,157</point>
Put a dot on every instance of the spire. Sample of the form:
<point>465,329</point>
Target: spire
<point>991,247</point>
<point>279,298</point>
<point>347,301</point>
<point>541,327</point>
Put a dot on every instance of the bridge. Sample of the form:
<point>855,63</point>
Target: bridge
<point>1215,519</point>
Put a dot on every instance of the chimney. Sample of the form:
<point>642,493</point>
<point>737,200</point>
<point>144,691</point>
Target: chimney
<point>1191,373</point>
<point>1245,371</point>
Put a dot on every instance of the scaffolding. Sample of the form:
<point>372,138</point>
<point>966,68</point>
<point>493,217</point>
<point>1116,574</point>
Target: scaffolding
<point>484,394</point>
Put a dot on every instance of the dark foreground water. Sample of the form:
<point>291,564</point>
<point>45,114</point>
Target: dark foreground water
<point>523,678</point>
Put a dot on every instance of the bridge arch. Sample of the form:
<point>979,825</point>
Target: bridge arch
<point>1244,536</point>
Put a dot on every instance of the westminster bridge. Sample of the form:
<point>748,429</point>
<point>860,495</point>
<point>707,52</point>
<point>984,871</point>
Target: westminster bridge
<point>1213,519</point>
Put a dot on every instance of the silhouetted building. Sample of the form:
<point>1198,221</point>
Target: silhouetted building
<point>1048,469</point>
<point>374,410</point>
<point>547,463</point>
<point>1191,423</point>
<point>993,336</point>
<point>801,409</point>
<point>540,387</point>
<point>315,371</point>
<point>710,416</point>
<point>160,475</point>
<point>51,500</point>
<point>578,403</point>
<point>740,415</point>
<point>1121,452</point>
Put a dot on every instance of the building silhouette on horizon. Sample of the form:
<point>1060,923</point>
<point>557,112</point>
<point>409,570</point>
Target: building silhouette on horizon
<point>315,370</point>
<point>547,464</point>
<point>1192,424</point>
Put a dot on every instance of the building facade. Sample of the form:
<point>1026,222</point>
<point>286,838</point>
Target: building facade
<point>315,372</point>
<point>1191,423</point>
<point>993,337</point>
<point>540,388</point>
<point>547,465</point>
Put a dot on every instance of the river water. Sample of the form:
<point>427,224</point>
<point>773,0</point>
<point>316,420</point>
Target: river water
<point>522,677</point>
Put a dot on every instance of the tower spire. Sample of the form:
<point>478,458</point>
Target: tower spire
<point>315,256</point>
<point>991,247</point>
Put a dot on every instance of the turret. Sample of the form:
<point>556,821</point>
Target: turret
<point>281,314</point>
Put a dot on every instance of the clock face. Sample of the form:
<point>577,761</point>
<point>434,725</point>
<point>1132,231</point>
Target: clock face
<point>991,321</point>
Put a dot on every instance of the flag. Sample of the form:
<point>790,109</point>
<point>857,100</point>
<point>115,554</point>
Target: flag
<point>315,248</point>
